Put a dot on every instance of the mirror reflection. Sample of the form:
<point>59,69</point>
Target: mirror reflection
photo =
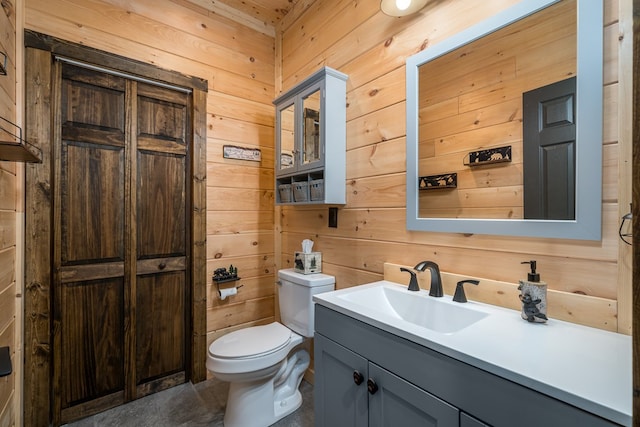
<point>311,131</point>
<point>496,129</point>
<point>287,140</point>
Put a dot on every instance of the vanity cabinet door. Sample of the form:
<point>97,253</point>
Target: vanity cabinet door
<point>340,391</point>
<point>396,402</point>
<point>350,391</point>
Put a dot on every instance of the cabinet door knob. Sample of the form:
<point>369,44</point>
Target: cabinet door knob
<point>358,378</point>
<point>162,266</point>
<point>372,386</point>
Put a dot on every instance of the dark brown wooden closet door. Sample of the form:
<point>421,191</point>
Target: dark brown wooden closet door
<point>121,236</point>
<point>161,237</point>
<point>89,254</point>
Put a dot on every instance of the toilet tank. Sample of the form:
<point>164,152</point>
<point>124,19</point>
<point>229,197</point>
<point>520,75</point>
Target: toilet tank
<point>295,293</point>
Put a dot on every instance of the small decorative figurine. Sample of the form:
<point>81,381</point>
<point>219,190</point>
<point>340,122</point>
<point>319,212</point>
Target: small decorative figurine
<point>222,275</point>
<point>530,309</point>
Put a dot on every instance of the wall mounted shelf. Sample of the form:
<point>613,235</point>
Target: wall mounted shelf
<point>13,148</point>
<point>489,156</point>
<point>438,182</point>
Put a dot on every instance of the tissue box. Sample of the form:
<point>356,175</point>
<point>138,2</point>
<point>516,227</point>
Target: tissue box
<point>308,263</point>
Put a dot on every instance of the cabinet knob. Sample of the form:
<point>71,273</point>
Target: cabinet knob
<point>372,386</point>
<point>162,266</point>
<point>358,378</point>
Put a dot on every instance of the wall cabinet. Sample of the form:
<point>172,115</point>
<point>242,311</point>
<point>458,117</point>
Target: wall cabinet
<point>415,385</point>
<point>310,161</point>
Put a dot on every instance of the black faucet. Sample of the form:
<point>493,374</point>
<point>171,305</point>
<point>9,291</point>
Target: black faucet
<point>413,283</point>
<point>459,296</point>
<point>436,280</point>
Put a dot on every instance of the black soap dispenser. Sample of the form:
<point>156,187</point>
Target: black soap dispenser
<point>533,294</point>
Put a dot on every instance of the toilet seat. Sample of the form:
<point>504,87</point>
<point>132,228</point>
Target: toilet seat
<point>251,342</point>
<point>251,349</point>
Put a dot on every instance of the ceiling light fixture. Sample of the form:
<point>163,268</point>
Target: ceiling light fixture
<point>401,7</point>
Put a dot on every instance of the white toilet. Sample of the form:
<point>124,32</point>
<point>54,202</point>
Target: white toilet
<point>263,380</point>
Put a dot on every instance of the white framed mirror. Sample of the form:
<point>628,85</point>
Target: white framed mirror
<point>449,157</point>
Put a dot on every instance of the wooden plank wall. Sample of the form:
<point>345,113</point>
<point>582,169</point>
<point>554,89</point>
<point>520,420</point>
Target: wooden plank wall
<point>238,63</point>
<point>471,99</point>
<point>8,216</point>
<point>357,39</point>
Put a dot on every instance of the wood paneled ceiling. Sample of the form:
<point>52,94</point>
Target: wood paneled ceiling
<point>263,15</point>
<point>269,11</point>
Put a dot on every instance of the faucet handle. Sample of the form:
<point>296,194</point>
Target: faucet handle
<point>413,283</point>
<point>459,295</point>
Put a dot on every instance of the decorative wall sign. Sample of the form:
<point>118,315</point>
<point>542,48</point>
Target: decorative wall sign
<point>241,153</point>
<point>490,155</point>
<point>435,182</point>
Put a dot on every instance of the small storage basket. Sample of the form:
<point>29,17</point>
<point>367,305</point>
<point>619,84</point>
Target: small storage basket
<point>285,193</point>
<point>301,191</point>
<point>316,189</point>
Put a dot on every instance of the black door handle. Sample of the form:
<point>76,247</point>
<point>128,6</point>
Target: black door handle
<point>372,386</point>
<point>358,378</point>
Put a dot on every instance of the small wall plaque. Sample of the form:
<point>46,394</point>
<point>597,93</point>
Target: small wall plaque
<point>241,153</point>
<point>489,156</point>
<point>435,182</point>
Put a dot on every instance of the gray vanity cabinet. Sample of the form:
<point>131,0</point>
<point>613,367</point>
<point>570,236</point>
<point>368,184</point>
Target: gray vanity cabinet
<point>355,392</point>
<point>417,386</point>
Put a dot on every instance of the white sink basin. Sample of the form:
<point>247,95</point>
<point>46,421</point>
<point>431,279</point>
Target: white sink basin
<point>418,308</point>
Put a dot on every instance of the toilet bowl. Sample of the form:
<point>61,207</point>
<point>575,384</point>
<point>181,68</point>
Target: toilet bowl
<point>265,364</point>
<point>263,385</point>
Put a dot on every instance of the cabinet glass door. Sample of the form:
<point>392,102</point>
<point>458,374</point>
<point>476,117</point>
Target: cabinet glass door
<point>311,147</point>
<point>287,140</point>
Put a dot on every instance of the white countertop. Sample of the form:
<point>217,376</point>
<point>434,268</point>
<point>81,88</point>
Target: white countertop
<point>585,367</point>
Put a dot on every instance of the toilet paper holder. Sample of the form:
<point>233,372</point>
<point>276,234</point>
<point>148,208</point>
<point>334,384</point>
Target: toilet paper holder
<point>224,293</point>
<point>222,275</point>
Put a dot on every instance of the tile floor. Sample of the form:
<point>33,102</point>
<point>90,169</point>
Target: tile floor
<point>189,405</point>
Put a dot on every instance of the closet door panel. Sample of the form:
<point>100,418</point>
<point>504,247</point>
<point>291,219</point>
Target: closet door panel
<point>90,290</point>
<point>92,200</point>
<point>160,324</point>
<point>92,100</point>
<point>162,114</point>
<point>92,340</point>
<point>161,205</point>
<point>161,291</point>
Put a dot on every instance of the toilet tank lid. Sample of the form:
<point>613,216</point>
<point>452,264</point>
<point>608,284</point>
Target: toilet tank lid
<point>310,280</point>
